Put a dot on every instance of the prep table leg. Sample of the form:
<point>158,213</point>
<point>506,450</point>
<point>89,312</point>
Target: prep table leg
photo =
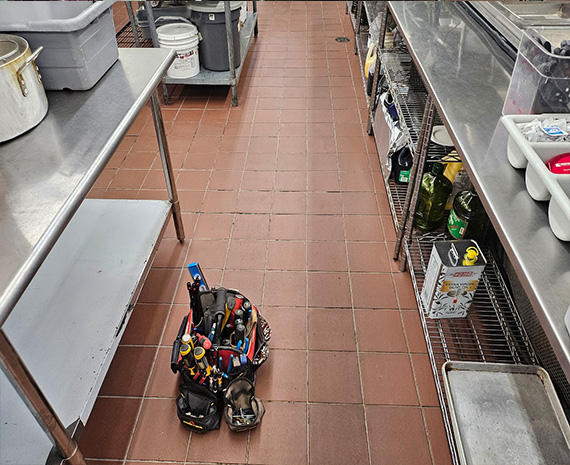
<point>230,39</point>
<point>167,164</point>
<point>133,23</point>
<point>34,399</point>
<point>255,29</point>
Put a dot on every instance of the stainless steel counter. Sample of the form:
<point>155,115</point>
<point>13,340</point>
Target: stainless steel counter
<point>46,173</point>
<point>468,78</point>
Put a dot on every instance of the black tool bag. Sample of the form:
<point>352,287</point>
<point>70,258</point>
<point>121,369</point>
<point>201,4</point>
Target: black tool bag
<point>233,339</point>
<point>198,409</point>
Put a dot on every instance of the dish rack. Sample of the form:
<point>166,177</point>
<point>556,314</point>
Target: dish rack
<point>541,184</point>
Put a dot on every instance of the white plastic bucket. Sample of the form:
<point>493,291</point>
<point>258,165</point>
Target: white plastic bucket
<point>184,38</point>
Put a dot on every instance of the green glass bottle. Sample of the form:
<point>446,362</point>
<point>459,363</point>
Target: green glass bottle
<point>467,219</point>
<point>434,191</point>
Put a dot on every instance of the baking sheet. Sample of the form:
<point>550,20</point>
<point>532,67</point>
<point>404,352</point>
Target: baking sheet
<point>505,414</point>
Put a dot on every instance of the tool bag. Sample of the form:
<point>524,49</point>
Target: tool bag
<point>223,338</point>
<point>198,409</point>
<point>242,410</point>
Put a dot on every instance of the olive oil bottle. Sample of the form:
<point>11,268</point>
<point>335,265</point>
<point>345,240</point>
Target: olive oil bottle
<point>467,219</point>
<point>434,191</point>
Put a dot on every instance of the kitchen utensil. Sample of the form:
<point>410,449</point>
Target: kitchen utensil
<point>440,136</point>
<point>24,102</point>
<point>505,413</point>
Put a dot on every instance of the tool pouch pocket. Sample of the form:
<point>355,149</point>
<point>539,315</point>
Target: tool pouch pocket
<point>198,409</point>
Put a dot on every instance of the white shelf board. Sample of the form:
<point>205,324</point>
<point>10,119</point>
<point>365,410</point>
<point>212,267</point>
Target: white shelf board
<point>67,325</point>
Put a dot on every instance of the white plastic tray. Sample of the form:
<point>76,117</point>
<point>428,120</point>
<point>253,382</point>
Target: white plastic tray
<point>542,185</point>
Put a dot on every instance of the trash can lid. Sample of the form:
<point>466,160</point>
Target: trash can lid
<point>176,31</point>
<point>213,7</point>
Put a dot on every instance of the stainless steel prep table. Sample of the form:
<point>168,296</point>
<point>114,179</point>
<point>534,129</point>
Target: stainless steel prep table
<point>72,268</point>
<point>468,78</point>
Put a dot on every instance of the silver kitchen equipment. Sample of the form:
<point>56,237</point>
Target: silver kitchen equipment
<point>24,101</point>
<point>503,413</point>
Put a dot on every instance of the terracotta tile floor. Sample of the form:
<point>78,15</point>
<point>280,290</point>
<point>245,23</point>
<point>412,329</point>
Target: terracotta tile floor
<point>282,198</point>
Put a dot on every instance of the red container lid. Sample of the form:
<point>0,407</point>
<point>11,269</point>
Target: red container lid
<point>560,164</point>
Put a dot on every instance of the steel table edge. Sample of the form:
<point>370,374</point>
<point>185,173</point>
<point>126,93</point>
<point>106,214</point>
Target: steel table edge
<point>22,279</point>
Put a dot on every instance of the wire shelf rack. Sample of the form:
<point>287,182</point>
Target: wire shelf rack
<point>126,39</point>
<point>491,332</point>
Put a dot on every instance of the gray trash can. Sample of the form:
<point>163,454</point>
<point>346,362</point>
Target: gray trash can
<point>210,19</point>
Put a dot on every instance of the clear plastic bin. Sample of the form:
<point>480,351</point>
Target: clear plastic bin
<point>540,82</point>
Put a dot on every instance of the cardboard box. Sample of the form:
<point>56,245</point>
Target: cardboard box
<point>449,285</point>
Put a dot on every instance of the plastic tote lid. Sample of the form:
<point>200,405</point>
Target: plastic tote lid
<point>213,7</point>
<point>177,31</point>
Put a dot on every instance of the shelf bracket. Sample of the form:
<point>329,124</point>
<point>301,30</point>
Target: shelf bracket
<point>406,227</point>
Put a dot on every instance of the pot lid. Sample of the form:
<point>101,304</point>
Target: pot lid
<point>11,48</point>
<point>8,48</point>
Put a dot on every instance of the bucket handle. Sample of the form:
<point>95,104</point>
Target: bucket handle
<point>176,18</point>
<point>172,18</point>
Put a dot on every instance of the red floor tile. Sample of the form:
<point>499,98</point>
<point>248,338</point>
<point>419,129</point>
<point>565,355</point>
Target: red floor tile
<point>387,379</point>
<point>337,435</point>
<point>159,286</point>
<point>373,290</point>
<point>285,288</point>
<point>250,226</point>
<point>437,437</point>
<point>323,181</point>
<point>163,382</point>
<point>328,290</point>
<point>288,327</point>
<point>397,435</point>
<point>289,202</point>
<point>250,283</point>
<point>171,253</point>
<point>177,313</point>
<point>254,202</point>
<point>290,181</point>
<point>286,255</point>
<point>333,377</point>
<point>380,331</point>
<point>247,255</point>
<point>283,376</point>
<point>258,181</point>
<point>128,373</point>
<point>221,446</point>
<point>368,256</point>
<point>325,228</point>
<point>363,228</point>
<point>424,380</point>
<point>273,443</point>
<point>209,253</point>
<point>145,325</point>
<point>108,432</point>
<point>287,227</point>
<point>331,329</point>
<point>213,226</point>
<point>328,203</point>
<point>158,434</point>
<point>326,256</point>
<point>414,331</point>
